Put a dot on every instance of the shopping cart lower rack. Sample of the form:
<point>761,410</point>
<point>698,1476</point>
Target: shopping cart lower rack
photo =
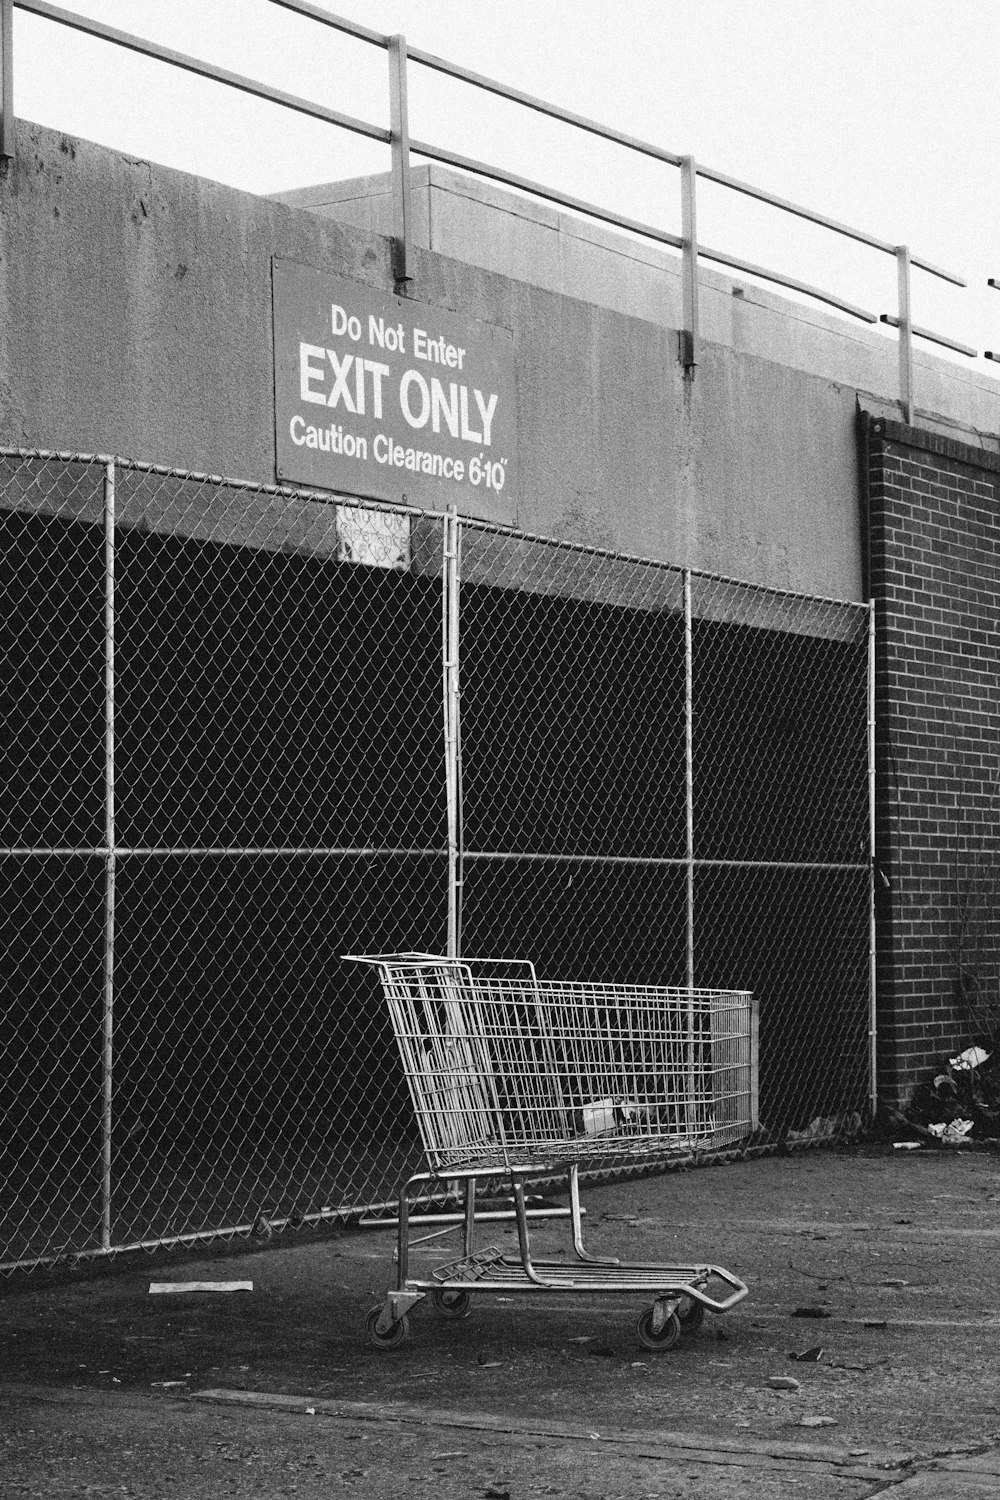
<point>514,1079</point>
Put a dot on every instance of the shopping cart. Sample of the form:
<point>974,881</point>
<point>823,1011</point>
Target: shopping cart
<point>515,1079</point>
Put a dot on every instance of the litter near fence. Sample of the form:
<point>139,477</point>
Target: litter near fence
<point>972,1057</point>
<point>513,1078</point>
<point>960,1105</point>
<point>956,1132</point>
<point>825,1128</point>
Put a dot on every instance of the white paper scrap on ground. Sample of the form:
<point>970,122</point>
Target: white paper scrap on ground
<point>972,1057</point>
<point>200,1286</point>
<point>956,1131</point>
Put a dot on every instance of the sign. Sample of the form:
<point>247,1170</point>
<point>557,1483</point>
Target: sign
<point>379,395</point>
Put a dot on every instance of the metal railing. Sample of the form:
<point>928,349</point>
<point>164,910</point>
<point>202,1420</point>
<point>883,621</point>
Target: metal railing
<point>402,146</point>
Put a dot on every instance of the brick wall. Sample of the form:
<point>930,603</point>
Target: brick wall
<point>934,571</point>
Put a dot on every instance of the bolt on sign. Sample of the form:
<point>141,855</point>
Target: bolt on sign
<point>382,396</point>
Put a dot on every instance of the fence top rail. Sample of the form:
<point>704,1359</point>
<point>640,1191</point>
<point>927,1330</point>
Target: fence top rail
<point>221,481</point>
<point>48,11</point>
<point>475,523</point>
<point>469,523</point>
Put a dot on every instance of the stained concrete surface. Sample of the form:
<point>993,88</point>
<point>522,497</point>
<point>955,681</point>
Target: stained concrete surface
<point>882,1260</point>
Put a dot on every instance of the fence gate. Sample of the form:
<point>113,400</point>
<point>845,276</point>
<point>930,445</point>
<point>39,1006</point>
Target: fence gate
<point>247,730</point>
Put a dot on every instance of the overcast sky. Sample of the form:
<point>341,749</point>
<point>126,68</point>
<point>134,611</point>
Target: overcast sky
<point>880,113</point>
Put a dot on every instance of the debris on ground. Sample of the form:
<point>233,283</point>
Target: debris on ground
<point>844,1127</point>
<point>961,1103</point>
<point>161,1287</point>
<point>972,1057</point>
<point>956,1132</point>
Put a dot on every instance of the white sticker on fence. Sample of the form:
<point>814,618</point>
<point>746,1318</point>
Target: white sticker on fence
<point>376,539</point>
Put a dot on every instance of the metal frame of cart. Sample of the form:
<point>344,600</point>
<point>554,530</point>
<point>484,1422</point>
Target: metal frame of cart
<point>513,1078</point>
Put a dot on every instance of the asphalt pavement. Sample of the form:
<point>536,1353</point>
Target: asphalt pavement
<point>864,1361</point>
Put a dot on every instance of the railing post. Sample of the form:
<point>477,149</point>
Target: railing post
<point>7,79</point>
<point>399,125</point>
<point>689,266</point>
<point>107,1009</point>
<point>905,332</point>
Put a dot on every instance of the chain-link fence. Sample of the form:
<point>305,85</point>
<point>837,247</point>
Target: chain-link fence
<point>248,730</point>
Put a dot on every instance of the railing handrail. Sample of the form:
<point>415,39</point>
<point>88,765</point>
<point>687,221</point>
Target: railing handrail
<point>607,132</point>
<point>397,137</point>
<point>105,33</point>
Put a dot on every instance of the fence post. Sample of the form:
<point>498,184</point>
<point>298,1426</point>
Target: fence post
<point>905,332</point>
<point>399,125</point>
<point>7,79</point>
<point>689,777</point>
<point>689,264</point>
<point>107,1018</point>
<point>450,623</point>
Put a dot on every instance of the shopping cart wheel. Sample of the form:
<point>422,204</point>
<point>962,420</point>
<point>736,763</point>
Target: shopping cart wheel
<point>394,1335</point>
<point>691,1314</point>
<point>453,1304</point>
<point>667,1336</point>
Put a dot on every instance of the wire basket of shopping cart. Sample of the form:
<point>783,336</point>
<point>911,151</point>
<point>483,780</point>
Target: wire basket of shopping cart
<point>515,1078</point>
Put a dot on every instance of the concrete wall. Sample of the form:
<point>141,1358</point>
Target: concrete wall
<point>135,318</point>
<point>135,306</point>
<point>483,225</point>
<point>760,446</point>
